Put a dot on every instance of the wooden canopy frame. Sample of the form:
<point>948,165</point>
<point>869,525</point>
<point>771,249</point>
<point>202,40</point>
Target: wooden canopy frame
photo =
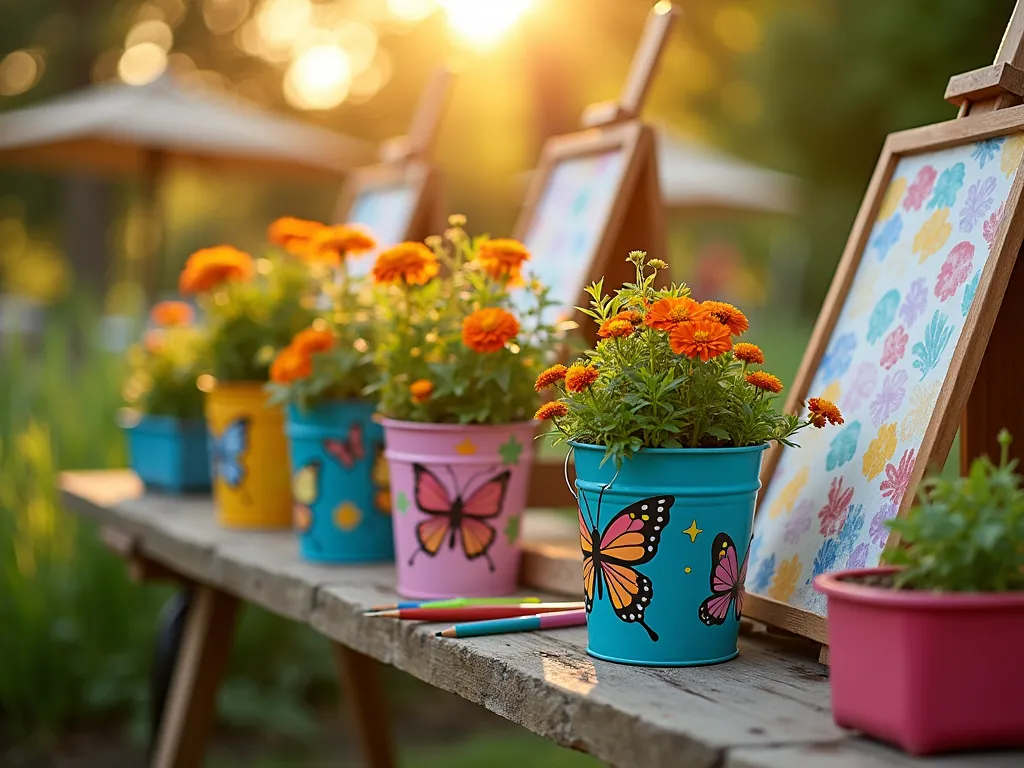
<point>985,368</point>
<point>406,162</point>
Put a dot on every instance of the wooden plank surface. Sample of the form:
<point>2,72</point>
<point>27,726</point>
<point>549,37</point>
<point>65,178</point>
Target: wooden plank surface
<point>768,708</point>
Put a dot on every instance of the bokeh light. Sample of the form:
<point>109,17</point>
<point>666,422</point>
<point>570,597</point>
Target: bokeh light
<point>411,11</point>
<point>151,31</point>
<point>319,78</point>
<point>483,23</point>
<point>737,28</point>
<point>19,71</point>
<point>223,16</point>
<point>142,63</point>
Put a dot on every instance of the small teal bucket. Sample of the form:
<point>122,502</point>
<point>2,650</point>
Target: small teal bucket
<point>169,454</point>
<point>665,544</point>
<point>342,503</point>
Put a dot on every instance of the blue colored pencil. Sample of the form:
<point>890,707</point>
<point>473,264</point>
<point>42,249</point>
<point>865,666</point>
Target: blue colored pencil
<point>574,618</point>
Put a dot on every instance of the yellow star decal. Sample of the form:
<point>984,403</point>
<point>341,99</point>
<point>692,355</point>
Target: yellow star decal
<point>466,448</point>
<point>692,531</point>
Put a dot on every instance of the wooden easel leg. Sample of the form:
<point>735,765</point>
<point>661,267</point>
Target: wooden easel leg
<point>203,657</point>
<point>823,655</point>
<point>361,676</point>
<point>996,390</point>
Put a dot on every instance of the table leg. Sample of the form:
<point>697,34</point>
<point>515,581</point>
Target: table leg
<point>361,676</point>
<point>171,626</point>
<point>202,659</point>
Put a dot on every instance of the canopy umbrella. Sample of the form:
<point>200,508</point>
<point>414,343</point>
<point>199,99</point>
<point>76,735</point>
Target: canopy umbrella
<point>125,129</point>
<point>698,179</point>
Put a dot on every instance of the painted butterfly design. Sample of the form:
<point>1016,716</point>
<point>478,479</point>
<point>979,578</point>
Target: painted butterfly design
<point>226,452</point>
<point>727,577</point>
<point>463,518</point>
<point>348,451</point>
<point>631,538</point>
<point>305,492</point>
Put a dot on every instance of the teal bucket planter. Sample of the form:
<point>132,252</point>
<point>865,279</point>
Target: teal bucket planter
<point>665,546</point>
<point>342,504</point>
<point>170,455</point>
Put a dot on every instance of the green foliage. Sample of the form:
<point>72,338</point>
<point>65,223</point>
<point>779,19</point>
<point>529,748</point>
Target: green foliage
<point>648,396</point>
<point>76,636</point>
<point>966,534</point>
<point>423,341</point>
<point>163,373</point>
<point>250,321</point>
<point>347,369</point>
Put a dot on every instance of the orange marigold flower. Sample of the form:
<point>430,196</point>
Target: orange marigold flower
<point>704,339</point>
<point>311,341</point>
<point>764,380</point>
<point>421,390</point>
<point>550,376</point>
<point>503,259</point>
<point>210,267</point>
<point>291,364</point>
<point>615,328</point>
<point>332,244</point>
<point>748,353</point>
<point>665,314</point>
<point>294,235</point>
<point>823,411</point>
<point>727,315</point>
<point>171,314</point>
<point>629,314</point>
<point>489,330</point>
<point>579,378</point>
<point>551,411</point>
<point>411,263</point>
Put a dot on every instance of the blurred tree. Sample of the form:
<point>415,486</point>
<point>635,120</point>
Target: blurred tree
<point>836,76</point>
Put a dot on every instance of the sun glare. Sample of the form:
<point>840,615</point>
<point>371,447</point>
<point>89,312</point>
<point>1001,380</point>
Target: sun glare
<point>483,23</point>
<point>320,78</point>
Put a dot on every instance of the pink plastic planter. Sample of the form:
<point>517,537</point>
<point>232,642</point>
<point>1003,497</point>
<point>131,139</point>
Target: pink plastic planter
<point>930,672</point>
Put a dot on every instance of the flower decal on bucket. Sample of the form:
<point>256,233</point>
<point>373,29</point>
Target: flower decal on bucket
<point>727,577</point>
<point>463,518</point>
<point>306,491</point>
<point>630,539</point>
<point>226,452</point>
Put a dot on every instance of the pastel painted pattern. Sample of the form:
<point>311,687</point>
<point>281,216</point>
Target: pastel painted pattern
<point>886,359</point>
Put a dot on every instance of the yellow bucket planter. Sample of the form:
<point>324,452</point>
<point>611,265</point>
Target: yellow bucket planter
<point>248,457</point>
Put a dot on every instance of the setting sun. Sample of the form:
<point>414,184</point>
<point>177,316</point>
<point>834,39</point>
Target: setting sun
<point>482,24</point>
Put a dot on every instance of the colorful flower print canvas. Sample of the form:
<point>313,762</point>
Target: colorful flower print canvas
<point>828,501</point>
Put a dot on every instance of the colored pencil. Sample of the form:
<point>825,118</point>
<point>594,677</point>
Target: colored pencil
<point>455,602</point>
<point>475,612</point>
<point>517,624</point>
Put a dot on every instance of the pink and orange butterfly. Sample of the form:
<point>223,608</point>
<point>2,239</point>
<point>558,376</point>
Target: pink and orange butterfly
<point>464,517</point>
<point>348,451</point>
<point>727,577</point>
<point>631,538</point>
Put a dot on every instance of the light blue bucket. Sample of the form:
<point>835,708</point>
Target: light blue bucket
<point>671,532</point>
<point>342,504</point>
<point>170,455</point>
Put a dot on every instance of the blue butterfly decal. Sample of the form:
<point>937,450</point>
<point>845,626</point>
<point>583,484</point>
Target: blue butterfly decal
<point>226,452</point>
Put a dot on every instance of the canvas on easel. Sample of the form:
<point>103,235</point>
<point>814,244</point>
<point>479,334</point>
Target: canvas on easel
<point>911,336</point>
<point>400,198</point>
<point>595,195</point>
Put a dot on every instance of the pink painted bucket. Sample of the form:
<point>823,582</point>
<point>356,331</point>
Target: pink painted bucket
<point>457,496</point>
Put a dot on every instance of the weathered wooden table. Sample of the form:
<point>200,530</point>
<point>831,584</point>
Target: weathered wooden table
<point>767,709</point>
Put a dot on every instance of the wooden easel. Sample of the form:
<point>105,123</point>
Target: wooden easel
<point>994,399</point>
<point>405,163</point>
<point>636,219</point>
